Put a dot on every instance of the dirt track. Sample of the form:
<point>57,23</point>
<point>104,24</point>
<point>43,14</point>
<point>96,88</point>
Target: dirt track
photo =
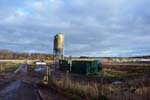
<point>21,85</point>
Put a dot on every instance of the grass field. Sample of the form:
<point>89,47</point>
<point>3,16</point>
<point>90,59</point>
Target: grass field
<point>8,67</point>
<point>117,82</point>
<point>133,81</point>
<point>114,82</point>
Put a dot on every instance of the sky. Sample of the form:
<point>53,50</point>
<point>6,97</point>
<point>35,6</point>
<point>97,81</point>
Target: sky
<point>102,28</point>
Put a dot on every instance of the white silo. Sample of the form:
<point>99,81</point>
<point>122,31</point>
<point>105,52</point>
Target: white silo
<point>58,49</point>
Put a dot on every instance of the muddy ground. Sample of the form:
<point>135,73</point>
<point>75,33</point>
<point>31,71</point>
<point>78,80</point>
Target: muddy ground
<point>22,85</point>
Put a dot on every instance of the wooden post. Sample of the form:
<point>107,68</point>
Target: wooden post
<point>100,86</point>
<point>0,67</point>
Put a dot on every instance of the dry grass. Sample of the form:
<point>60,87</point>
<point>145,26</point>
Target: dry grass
<point>86,90</point>
<point>7,67</point>
<point>137,88</point>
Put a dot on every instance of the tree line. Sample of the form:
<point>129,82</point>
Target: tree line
<point>6,54</point>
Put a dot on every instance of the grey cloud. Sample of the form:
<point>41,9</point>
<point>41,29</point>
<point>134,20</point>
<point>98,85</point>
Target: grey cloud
<point>94,28</point>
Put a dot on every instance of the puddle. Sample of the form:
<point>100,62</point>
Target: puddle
<point>117,82</point>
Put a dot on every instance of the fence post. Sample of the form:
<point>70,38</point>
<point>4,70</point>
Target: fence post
<point>0,67</point>
<point>100,86</point>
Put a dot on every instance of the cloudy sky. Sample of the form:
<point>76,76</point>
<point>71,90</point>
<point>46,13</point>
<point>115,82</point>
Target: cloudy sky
<point>91,27</point>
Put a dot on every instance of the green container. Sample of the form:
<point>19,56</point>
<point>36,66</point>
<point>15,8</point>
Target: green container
<point>80,67</point>
<point>85,67</point>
